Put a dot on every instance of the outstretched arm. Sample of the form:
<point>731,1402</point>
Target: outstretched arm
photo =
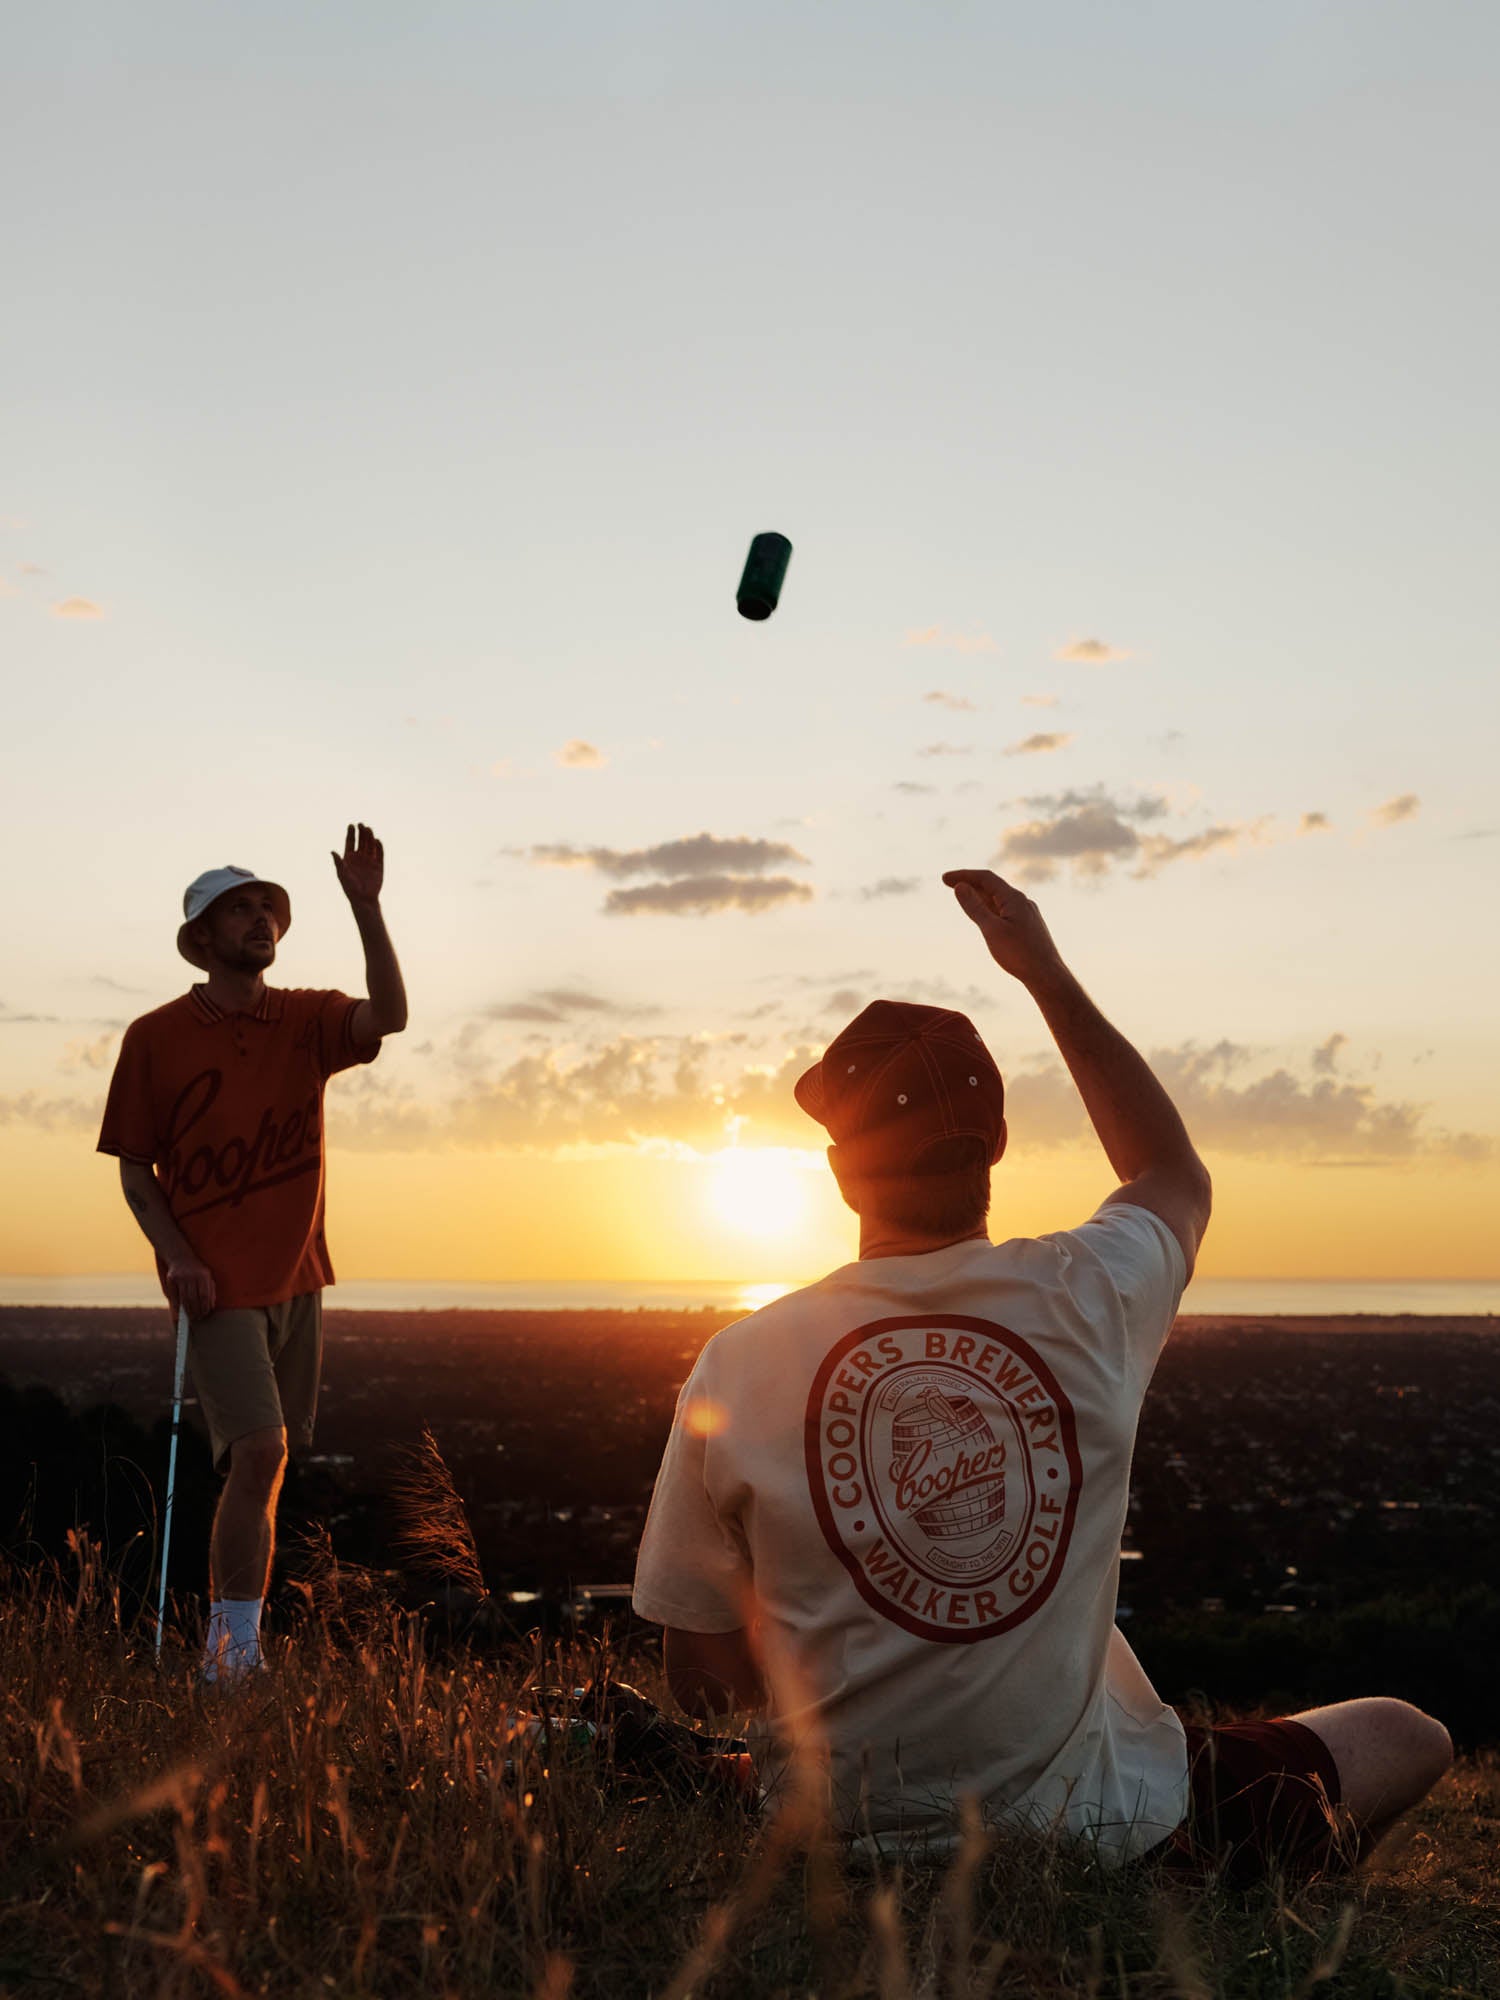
<point>1138,1125</point>
<point>361,873</point>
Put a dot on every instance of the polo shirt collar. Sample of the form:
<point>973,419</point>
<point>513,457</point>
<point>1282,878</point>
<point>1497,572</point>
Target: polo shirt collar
<point>269,1007</point>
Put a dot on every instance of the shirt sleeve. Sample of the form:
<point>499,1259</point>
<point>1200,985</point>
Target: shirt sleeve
<point>129,1127</point>
<point>337,1048</point>
<point>691,1571</point>
<point>1149,1272</point>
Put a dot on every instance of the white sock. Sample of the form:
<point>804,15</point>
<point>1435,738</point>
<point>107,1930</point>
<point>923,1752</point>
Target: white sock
<point>233,1643</point>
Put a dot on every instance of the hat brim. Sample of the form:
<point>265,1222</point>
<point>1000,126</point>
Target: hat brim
<point>190,951</point>
<point>808,1091</point>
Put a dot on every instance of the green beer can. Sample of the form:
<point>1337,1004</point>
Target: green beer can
<point>764,574</point>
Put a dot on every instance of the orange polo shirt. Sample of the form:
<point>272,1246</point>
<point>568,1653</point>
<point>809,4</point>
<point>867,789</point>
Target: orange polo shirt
<point>228,1109</point>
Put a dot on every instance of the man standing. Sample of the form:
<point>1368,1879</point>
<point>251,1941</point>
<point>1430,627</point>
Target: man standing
<point>215,1112</point>
<point>897,1496</point>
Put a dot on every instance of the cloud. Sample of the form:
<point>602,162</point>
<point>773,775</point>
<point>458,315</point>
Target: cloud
<point>1091,652</point>
<point>1468,1149</point>
<point>1157,848</point>
<point>1325,1055</point>
<point>113,985</point>
<point>580,756</point>
<point>1147,806</point>
<point>656,1093</point>
<point>1090,839</point>
<point>88,1053</point>
<point>910,785</point>
<point>1038,701</point>
<point>1405,806</point>
<point>703,895</point>
<point>844,1000</point>
<point>890,885</point>
<point>700,874</point>
<point>1229,1109</point>
<point>946,750</point>
<point>77,607</point>
<point>1042,741</point>
<point>51,1114</point>
<point>641,1092</point>
<point>959,702</point>
<point>1313,823</point>
<point>9,1018</point>
<point>7,588</point>
<point>1091,833</point>
<point>31,569</point>
<point>554,1004</point>
<point>699,854</point>
<point>943,640</point>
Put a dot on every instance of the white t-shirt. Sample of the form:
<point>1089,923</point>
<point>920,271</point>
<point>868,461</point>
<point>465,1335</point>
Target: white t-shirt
<point>914,1474</point>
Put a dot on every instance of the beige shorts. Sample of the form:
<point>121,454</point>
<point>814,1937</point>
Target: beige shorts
<point>256,1368</point>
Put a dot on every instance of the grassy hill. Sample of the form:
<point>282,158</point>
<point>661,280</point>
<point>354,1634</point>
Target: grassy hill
<point>365,1819</point>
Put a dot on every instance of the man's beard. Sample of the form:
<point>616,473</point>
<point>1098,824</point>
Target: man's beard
<point>248,958</point>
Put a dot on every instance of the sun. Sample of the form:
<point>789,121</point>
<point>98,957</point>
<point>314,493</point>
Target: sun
<point>761,1190</point>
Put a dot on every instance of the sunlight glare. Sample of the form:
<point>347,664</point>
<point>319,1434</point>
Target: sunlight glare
<point>753,1297</point>
<point>759,1189</point>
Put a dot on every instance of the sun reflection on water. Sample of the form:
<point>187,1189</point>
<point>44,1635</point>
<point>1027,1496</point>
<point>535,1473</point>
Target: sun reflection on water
<point>753,1297</point>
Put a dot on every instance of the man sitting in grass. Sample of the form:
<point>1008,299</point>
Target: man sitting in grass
<point>889,1514</point>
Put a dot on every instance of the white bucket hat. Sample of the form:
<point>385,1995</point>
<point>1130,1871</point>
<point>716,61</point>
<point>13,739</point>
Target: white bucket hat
<point>209,887</point>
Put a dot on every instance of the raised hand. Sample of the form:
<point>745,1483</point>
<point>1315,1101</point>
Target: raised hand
<point>1009,922</point>
<point>361,867</point>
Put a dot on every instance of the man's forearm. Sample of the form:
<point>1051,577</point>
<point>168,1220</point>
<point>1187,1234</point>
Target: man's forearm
<point>383,981</point>
<point>1137,1123</point>
<point>147,1203</point>
<point>712,1673</point>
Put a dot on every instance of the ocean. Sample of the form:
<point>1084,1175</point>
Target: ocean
<point>1253,1297</point>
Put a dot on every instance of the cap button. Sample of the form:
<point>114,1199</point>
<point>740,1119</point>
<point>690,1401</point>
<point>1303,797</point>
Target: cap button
<point>901,1099</point>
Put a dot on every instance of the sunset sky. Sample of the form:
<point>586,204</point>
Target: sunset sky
<point>390,397</point>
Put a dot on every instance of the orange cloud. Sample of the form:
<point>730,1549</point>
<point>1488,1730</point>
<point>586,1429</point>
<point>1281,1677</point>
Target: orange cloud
<point>88,1054</point>
<point>1042,741</point>
<point>698,854</point>
<point>1405,806</point>
<point>580,756</point>
<point>77,607</point>
<point>1090,832</point>
<point>703,895</point>
<point>1314,823</point>
<point>939,637</point>
<point>1276,1114</point>
<point>1091,653</point>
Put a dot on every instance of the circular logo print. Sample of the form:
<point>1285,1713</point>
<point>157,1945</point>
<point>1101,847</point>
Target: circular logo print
<point>943,1462</point>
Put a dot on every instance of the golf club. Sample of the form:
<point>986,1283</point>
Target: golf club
<point>166,1532</point>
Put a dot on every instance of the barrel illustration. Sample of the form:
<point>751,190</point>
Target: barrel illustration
<point>950,1426</point>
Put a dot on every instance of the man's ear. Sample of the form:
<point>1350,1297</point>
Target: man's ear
<point>1000,1144</point>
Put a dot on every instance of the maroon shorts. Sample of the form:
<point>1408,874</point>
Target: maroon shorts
<point>1262,1799</point>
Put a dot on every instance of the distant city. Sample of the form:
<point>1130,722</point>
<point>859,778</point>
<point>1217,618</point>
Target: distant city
<point>1282,1466</point>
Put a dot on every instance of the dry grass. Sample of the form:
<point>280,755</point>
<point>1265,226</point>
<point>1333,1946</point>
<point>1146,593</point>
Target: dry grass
<point>364,1821</point>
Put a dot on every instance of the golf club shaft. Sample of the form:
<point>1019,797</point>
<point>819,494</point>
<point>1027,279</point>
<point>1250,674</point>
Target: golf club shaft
<point>166,1532</point>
